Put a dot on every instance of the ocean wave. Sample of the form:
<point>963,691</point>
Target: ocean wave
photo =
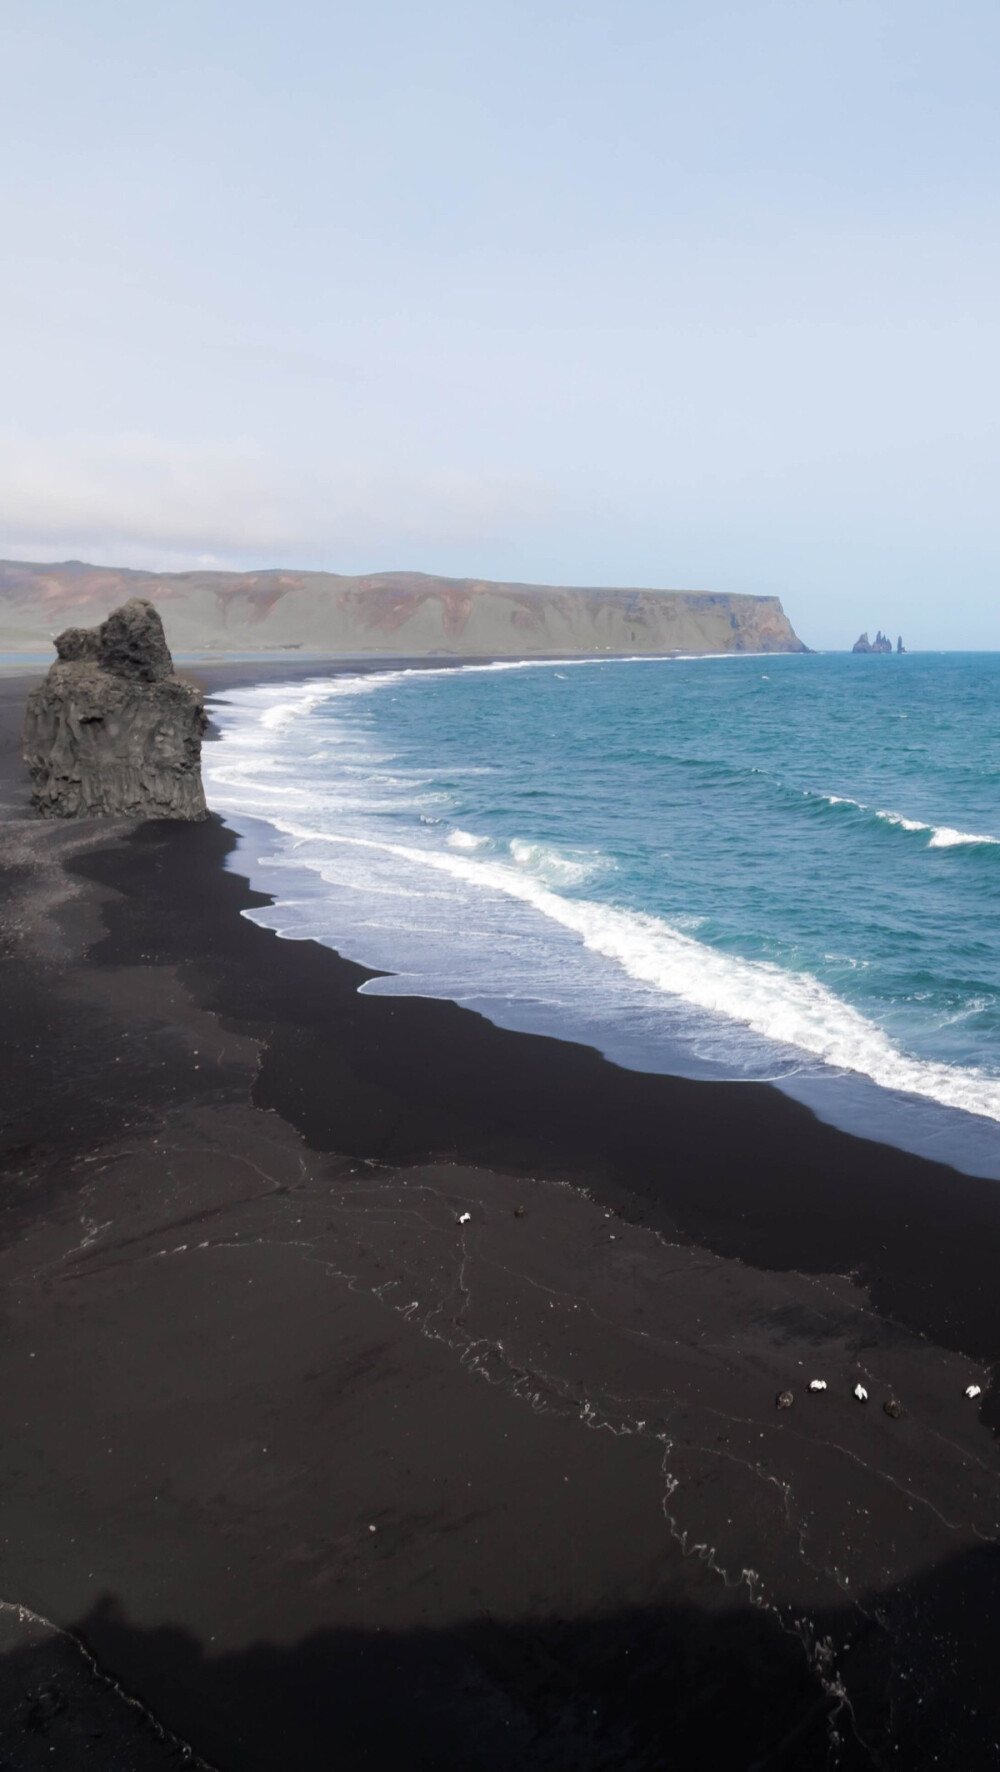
<point>791,1009</point>
<point>941,836</point>
<point>556,867</point>
<point>945,838</point>
<point>548,664</point>
<point>300,698</point>
<point>466,840</point>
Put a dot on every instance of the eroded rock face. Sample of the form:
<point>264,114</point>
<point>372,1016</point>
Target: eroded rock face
<point>112,731</point>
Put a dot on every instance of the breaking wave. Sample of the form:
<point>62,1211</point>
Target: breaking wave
<point>348,798</point>
<point>790,1009</point>
<point>941,836</point>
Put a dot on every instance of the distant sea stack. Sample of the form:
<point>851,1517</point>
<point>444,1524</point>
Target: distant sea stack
<point>409,614</point>
<point>112,731</point>
<point>881,643</point>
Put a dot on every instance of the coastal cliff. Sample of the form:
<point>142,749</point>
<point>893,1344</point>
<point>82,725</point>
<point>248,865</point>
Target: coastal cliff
<point>408,614</point>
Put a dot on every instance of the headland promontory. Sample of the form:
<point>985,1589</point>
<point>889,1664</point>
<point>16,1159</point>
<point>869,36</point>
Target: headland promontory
<point>405,614</point>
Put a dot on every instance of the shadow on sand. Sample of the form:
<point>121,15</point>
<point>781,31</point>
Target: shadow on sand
<point>638,1691</point>
<point>674,1687</point>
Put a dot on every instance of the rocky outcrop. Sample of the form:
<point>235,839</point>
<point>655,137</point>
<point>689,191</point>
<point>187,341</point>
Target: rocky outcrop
<point>406,614</point>
<point>899,644</point>
<point>112,730</point>
<point>881,643</point>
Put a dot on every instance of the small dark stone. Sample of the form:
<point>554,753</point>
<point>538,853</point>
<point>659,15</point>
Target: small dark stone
<point>784,1400</point>
<point>893,1407</point>
<point>520,1211</point>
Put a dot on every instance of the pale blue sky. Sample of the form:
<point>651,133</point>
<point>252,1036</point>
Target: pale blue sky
<point>676,294</point>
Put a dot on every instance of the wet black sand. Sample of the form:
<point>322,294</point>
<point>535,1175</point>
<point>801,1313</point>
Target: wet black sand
<point>244,1323</point>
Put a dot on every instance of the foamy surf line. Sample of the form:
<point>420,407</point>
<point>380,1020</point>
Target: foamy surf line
<point>942,836</point>
<point>301,699</point>
<point>792,1011</point>
<point>789,1009</point>
<point>302,696</point>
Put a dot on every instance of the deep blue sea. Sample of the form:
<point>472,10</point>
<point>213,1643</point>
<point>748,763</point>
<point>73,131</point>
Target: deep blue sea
<point>757,867</point>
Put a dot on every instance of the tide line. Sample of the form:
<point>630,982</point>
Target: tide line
<point>791,1009</point>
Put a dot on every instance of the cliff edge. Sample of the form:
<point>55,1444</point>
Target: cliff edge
<point>408,614</point>
<point>111,730</point>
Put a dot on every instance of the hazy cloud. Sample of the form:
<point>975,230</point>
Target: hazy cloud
<point>174,502</point>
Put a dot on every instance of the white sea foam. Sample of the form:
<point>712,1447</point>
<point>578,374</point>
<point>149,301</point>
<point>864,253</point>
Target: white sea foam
<point>466,840</point>
<point>940,836</point>
<point>793,1010</point>
<point>945,838</point>
<point>300,698</point>
<point>556,867</point>
<point>905,824</point>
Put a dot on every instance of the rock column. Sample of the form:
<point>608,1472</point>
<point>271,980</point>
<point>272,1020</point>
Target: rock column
<point>113,731</point>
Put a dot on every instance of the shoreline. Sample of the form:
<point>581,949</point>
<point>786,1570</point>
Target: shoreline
<point>851,1101</point>
<point>247,1326</point>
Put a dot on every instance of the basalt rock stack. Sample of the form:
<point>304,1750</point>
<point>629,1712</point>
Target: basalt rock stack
<point>112,731</point>
<point>881,643</point>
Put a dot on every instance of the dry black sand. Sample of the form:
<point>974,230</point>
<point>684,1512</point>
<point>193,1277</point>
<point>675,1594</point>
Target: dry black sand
<point>317,1475</point>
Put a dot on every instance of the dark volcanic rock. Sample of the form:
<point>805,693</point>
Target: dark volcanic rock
<point>78,643</point>
<point>881,643</point>
<point>131,643</point>
<point>112,730</point>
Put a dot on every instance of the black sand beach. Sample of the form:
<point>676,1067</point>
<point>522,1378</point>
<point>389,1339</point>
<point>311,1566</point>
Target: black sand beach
<point>382,1389</point>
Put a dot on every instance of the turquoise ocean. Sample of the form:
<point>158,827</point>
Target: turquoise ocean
<point>782,868</point>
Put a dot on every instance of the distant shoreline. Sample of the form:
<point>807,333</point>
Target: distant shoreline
<point>402,613</point>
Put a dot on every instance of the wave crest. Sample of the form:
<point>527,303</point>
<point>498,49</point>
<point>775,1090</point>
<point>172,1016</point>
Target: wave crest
<point>792,1009</point>
<point>940,836</point>
<point>556,867</point>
